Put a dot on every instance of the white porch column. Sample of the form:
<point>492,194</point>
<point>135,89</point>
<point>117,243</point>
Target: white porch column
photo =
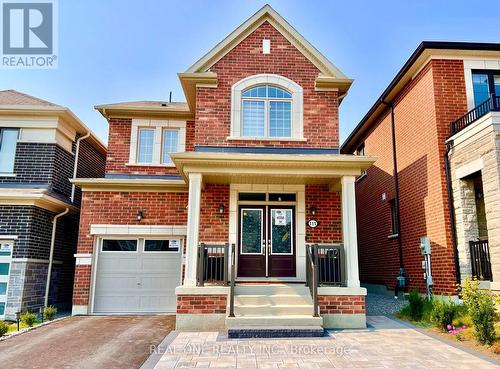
<point>193,227</point>
<point>349,231</point>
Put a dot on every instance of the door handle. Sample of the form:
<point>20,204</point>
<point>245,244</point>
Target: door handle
<point>264,252</point>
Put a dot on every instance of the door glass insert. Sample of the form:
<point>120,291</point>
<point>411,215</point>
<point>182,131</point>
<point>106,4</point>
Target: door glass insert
<point>119,245</point>
<point>251,231</point>
<point>281,231</point>
<point>161,245</point>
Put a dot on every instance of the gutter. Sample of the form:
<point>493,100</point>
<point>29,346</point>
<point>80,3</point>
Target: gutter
<point>51,255</point>
<point>451,209</point>
<point>75,168</point>
<point>396,190</point>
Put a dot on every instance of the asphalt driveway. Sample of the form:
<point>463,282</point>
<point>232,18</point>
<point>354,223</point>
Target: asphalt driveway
<point>87,342</point>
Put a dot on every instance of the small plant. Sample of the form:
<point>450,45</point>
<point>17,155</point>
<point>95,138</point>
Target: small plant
<point>481,307</point>
<point>49,312</point>
<point>496,347</point>
<point>4,328</point>
<point>29,319</point>
<point>416,305</point>
<point>443,312</point>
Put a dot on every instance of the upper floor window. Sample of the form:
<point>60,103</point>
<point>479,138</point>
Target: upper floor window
<point>8,144</point>
<point>485,83</point>
<point>152,141</point>
<point>266,112</point>
<point>267,106</point>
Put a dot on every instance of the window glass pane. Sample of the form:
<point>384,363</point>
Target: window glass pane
<point>282,197</point>
<point>8,143</point>
<point>170,144</point>
<point>119,245</point>
<point>2,308</point>
<point>251,196</point>
<point>146,141</point>
<point>259,91</point>
<point>253,118</point>
<point>481,88</point>
<point>251,231</point>
<point>496,81</point>
<point>3,288</point>
<point>278,93</point>
<point>280,119</point>
<point>161,245</point>
<point>4,268</point>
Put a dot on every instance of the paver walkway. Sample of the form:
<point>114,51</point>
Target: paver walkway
<point>386,344</point>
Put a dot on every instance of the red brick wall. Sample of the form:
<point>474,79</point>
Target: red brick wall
<point>201,304</point>
<point>423,111</point>
<point>328,214</point>
<point>213,109</point>
<point>159,208</point>
<point>341,304</point>
<point>214,227</point>
<point>119,149</point>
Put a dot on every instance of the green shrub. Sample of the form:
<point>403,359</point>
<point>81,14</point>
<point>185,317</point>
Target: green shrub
<point>481,307</point>
<point>29,319</point>
<point>443,312</point>
<point>416,305</point>
<point>4,328</point>
<point>49,312</point>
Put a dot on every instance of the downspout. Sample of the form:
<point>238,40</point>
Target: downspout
<point>51,255</point>
<point>75,168</point>
<point>451,209</point>
<point>396,191</point>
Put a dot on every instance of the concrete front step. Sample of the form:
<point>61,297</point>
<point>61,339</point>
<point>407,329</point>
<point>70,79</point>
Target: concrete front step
<point>272,289</point>
<point>283,299</point>
<point>274,321</point>
<point>275,332</point>
<point>273,310</point>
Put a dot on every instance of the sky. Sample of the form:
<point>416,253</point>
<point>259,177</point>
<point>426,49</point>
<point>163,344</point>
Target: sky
<point>121,50</point>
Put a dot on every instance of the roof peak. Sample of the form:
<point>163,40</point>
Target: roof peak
<point>14,97</point>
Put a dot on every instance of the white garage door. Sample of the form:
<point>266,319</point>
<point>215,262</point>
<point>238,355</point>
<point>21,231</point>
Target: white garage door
<point>137,275</point>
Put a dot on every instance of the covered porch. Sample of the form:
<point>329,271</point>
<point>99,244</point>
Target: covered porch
<point>269,219</point>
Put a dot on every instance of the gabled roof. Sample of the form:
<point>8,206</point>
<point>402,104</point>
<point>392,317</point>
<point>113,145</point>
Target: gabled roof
<point>15,103</point>
<point>419,58</point>
<point>267,13</point>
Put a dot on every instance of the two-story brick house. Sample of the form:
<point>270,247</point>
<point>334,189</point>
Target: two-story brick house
<point>40,143</point>
<point>435,133</point>
<point>231,185</point>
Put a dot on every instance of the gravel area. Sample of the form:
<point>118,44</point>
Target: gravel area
<point>381,304</point>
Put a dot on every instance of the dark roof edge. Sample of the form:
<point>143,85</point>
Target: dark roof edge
<point>443,45</point>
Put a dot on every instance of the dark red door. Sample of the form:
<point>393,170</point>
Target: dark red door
<point>252,241</point>
<point>281,241</point>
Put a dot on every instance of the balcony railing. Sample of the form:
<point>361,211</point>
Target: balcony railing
<point>212,264</point>
<point>480,260</point>
<point>492,104</point>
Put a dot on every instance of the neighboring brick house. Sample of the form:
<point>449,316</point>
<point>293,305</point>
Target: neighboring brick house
<point>251,160</point>
<point>38,145</point>
<point>423,141</point>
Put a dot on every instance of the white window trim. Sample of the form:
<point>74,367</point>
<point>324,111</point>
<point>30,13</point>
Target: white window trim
<point>272,79</point>
<point>159,126</point>
<point>469,66</point>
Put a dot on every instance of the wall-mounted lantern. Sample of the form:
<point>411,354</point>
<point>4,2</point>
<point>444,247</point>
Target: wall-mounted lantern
<point>313,210</point>
<point>221,209</point>
<point>140,215</point>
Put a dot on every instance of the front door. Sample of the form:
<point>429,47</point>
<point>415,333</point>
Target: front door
<point>266,241</point>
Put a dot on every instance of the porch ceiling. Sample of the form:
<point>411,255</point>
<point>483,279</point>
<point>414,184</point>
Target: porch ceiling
<point>226,168</point>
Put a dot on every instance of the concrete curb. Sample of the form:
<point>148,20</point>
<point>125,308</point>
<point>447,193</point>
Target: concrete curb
<point>28,329</point>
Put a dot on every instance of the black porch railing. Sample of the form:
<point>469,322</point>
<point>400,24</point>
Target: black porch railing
<point>212,264</point>
<point>324,267</point>
<point>492,104</point>
<point>480,260</point>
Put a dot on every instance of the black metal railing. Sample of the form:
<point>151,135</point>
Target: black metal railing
<point>212,264</point>
<point>480,260</point>
<point>324,267</point>
<point>492,104</point>
<point>233,280</point>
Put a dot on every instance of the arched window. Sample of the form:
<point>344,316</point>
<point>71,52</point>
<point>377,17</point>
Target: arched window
<point>266,106</point>
<point>266,111</point>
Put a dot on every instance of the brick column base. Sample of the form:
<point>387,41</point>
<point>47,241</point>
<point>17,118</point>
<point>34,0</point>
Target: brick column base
<point>342,311</point>
<point>201,312</point>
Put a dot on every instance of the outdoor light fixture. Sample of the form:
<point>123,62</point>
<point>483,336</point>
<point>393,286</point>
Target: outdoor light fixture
<point>18,317</point>
<point>313,210</point>
<point>139,215</point>
<point>221,209</point>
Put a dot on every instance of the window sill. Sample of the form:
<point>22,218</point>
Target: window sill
<point>150,165</point>
<point>393,236</point>
<point>236,138</point>
<point>10,175</point>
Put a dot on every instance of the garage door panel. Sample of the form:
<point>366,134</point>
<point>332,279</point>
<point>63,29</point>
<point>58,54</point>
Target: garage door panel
<point>137,282</point>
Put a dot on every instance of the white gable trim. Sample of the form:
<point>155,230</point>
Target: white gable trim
<point>266,13</point>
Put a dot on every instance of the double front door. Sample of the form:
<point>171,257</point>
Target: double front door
<point>266,241</point>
